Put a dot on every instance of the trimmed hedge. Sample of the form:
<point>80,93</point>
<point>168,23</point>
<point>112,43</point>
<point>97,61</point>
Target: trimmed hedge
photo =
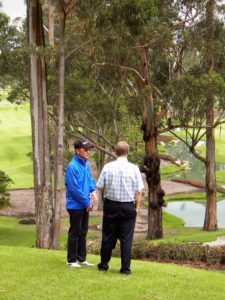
<point>167,251</point>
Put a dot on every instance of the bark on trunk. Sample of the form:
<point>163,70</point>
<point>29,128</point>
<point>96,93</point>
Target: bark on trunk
<point>50,23</point>
<point>210,223</point>
<point>155,193</point>
<point>60,145</point>
<point>40,130</point>
<point>152,162</point>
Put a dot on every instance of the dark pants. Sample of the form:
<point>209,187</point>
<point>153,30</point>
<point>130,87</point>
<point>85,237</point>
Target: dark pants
<point>118,223</point>
<point>76,246</point>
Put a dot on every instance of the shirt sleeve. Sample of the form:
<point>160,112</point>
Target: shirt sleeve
<point>139,182</point>
<point>101,180</point>
<point>73,187</point>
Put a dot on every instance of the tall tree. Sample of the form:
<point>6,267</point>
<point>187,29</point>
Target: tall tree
<point>145,33</point>
<point>40,128</point>
<point>210,222</point>
<point>66,7</point>
<point>50,22</point>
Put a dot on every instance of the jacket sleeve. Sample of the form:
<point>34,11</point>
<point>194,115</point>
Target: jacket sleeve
<point>91,180</point>
<point>73,187</point>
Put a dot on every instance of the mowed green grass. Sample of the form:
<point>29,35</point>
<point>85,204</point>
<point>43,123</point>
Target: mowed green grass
<point>15,141</point>
<point>30,273</point>
<point>42,274</point>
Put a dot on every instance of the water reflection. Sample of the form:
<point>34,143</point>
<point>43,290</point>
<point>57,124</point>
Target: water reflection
<point>193,213</point>
<point>196,167</point>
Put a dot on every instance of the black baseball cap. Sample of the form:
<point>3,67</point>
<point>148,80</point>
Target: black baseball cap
<point>83,144</point>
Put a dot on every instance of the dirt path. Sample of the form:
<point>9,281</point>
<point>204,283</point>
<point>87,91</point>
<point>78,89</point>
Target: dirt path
<point>22,201</point>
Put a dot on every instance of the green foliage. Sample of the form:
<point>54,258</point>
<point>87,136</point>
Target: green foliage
<point>131,14</point>
<point>166,251</point>
<point>131,133</point>
<point>4,195</point>
<point>189,94</point>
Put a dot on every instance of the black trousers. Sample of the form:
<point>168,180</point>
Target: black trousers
<point>118,223</point>
<point>76,245</point>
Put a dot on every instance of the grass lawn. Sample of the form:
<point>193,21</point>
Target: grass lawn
<point>197,197</point>
<point>15,141</point>
<point>169,171</point>
<point>30,273</point>
<point>41,274</point>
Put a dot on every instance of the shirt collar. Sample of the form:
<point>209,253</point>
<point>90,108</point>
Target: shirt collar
<point>124,158</point>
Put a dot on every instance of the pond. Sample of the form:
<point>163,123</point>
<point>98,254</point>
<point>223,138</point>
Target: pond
<point>196,168</point>
<point>193,213</point>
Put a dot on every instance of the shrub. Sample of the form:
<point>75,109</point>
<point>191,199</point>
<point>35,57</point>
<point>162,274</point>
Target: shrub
<point>4,195</point>
<point>139,250</point>
<point>214,254</point>
<point>196,252</point>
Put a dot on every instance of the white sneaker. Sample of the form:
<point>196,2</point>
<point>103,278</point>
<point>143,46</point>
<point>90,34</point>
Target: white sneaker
<point>73,264</point>
<point>85,263</point>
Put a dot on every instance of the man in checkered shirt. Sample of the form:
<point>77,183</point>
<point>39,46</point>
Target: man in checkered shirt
<point>121,184</point>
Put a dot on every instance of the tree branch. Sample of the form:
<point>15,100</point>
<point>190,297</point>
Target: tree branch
<point>95,132</point>
<point>77,48</point>
<point>103,64</point>
<point>94,144</point>
<point>191,148</point>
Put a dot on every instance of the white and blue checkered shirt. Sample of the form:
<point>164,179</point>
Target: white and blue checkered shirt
<point>120,180</point>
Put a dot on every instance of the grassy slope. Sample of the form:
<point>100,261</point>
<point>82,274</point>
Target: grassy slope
<point>29,273</point>
<point>15,141</point>
<point>41,274</point>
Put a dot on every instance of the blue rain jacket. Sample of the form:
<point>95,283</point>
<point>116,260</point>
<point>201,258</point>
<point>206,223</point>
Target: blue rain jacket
<point>79,184</point>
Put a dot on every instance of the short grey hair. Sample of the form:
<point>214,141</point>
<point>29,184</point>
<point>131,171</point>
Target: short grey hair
<point>122,148</point>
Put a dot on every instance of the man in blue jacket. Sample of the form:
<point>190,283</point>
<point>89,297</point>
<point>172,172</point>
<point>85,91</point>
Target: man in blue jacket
<point>80,195</point>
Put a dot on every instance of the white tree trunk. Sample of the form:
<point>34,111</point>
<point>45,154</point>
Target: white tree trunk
<point>40,132</point>
<point>60,145</point>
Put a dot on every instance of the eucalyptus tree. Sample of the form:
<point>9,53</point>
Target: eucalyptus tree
<point>40,127</point>
<point>199,91</point>
<point>48,206</point>
<point>138,40</point>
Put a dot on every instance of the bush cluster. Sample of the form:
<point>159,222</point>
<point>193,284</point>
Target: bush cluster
<point>4,194</point>
<point>182,252</point>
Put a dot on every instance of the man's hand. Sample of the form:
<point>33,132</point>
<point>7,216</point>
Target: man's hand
<point>89,208</point>
<point>93,197</point>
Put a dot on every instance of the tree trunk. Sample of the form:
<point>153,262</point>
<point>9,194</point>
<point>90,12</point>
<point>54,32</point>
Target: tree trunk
<point>60,145</point>
<point>152,161</point>
<point>50,23</point>
<point>210,223</point>
<point>155,193</point>
<point>40,130</point>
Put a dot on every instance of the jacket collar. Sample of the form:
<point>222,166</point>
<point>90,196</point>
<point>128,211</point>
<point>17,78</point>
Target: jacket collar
<point>80,160</point>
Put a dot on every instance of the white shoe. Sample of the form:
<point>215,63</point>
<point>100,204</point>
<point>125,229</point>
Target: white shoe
<point>73,264</point>
<point>85,263</point>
